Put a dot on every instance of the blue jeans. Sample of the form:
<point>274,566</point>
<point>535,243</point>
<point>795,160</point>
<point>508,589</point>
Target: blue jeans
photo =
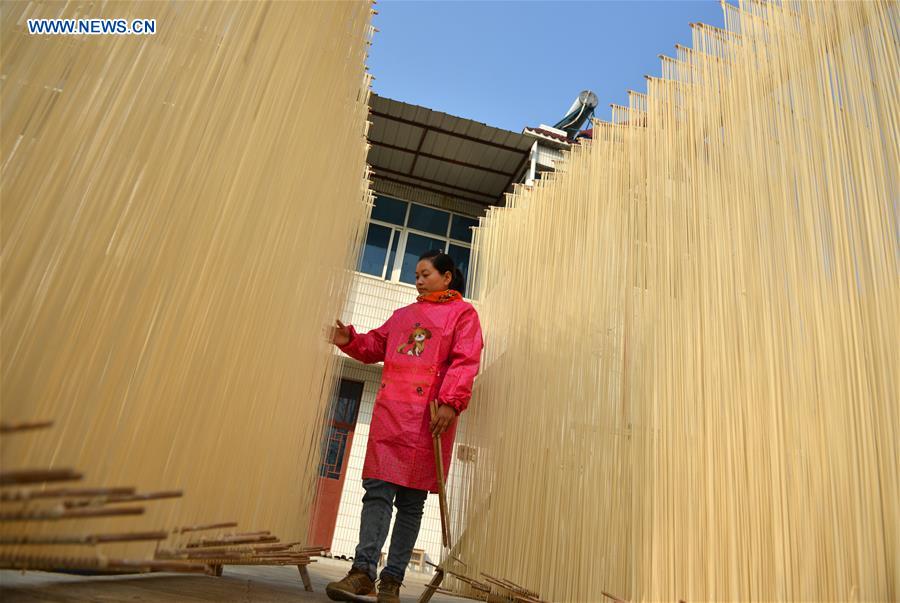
<point>378,501</point>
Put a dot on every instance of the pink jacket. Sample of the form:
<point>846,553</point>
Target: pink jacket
<point>431,350</point>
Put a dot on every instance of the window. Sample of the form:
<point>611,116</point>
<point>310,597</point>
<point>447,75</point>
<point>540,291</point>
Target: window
<point>333,461</point>
<point>399,232</point>
<point>427,219</point>
<point>346,406</point>
<point>375,251</point>
<point>389,210</point>
<point>460,257</point>
<point>393,255</point>
<point>461,229</point>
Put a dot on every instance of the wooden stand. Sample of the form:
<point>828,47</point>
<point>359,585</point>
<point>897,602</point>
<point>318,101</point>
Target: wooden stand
<point>432,586</point>
<point>304,575</point>
<point>197,555</point>
<point>248,548</point>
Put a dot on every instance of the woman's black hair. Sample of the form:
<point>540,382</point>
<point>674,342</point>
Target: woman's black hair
<point>444,263</point>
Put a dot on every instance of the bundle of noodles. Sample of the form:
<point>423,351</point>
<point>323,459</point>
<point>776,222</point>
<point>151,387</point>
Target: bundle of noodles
<point>691,382</point>
<point>180,211</point>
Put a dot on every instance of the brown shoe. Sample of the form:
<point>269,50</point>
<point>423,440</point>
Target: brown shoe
<point>389,589</point>
<point>356,583</point>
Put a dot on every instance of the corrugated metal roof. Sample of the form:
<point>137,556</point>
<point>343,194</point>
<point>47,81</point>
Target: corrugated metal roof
<point>444,153</point>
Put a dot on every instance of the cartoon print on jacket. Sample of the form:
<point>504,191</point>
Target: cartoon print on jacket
<point>416,341</point>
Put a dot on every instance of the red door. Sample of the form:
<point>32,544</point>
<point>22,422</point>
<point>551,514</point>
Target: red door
<point>337,441</point>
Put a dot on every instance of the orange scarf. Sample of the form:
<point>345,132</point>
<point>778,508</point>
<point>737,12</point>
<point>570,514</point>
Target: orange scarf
<point>440,297</point>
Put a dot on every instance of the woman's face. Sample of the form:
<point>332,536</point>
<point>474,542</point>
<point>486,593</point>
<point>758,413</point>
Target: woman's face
<point>428,279</point>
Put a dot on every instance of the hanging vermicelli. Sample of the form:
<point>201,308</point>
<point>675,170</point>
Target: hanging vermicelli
<point>690,388</point>
<point>179,213</point>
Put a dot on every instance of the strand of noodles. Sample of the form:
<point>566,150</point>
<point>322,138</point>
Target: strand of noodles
<point>690,380</point>
<point>180,212</point>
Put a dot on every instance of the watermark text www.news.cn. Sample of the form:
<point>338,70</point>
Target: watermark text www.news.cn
<point>123,27</point>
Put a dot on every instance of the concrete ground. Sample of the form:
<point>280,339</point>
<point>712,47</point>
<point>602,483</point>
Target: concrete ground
<point>238,583</point>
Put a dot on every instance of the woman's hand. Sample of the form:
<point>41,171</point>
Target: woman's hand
<point>442,420</point>
<point>340,334</point>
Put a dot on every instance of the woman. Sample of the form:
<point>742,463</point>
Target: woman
<point>431,351</point>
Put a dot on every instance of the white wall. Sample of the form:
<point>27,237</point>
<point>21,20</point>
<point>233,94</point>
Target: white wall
<point>548,156</point>
<point>372,301</point>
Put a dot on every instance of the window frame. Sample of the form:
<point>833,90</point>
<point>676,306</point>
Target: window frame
<point>391,274</point>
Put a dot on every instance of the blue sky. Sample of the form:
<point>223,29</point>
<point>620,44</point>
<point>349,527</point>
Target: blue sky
<point>513,64</point>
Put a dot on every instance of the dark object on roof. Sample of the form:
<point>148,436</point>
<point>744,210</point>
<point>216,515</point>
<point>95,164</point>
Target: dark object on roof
<point>580,111</point>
